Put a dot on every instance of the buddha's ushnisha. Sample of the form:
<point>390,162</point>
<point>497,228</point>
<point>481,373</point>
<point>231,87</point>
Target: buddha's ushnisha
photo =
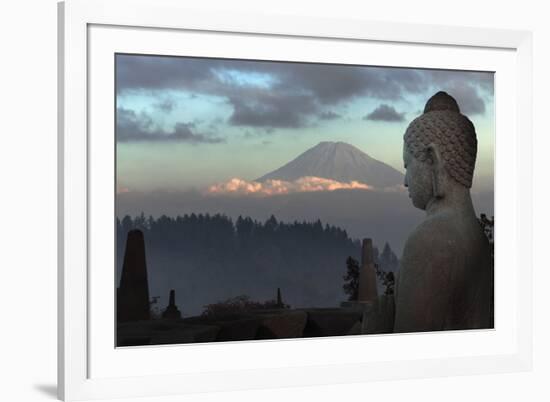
<point>445,280</point>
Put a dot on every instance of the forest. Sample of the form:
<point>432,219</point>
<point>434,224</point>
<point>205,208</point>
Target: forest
<point>207,258</point>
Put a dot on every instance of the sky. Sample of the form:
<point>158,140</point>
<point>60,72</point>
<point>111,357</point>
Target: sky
<point>191,123</point>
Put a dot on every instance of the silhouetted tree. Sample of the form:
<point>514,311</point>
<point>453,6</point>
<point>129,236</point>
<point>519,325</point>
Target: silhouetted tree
<point>351,278</point>
<point>488,226</point>
<point>271,224</point>
<point>388,260</point>
<point>387,279</point>
<point>154,309</point>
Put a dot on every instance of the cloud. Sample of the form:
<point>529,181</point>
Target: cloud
<point>300,91</point>
<point>329,115</point>
<point>165,105</point>
<point>333,84</point>
<point>471,89</point>
<point>153,73</point>
<point>468,98</point>
<point>132,127</point>
<point>238,186</point>
<point>120,189</point>
<point>271,109</point>
<point>385,113</point>
<point>293,95</point>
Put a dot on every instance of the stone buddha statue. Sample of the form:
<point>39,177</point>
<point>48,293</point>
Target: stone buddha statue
<point>446,274</point>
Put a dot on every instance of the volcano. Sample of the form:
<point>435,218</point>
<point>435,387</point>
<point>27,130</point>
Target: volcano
<point>338,161</point>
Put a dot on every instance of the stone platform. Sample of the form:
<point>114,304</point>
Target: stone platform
<point>261,324</point>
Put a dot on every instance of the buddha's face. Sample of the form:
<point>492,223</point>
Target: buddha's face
<point>418,180</point>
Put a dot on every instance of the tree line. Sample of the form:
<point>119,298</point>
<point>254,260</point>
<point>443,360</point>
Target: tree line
<point>211,257</point>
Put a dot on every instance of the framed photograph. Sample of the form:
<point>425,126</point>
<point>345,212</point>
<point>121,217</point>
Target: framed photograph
<point>254,201</point>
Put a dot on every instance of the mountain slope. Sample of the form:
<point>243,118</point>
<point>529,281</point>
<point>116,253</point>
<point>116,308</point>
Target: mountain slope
<point>338,161</point>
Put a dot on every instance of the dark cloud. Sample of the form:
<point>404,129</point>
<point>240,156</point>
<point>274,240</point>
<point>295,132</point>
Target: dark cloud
<point>134,127</point>
<point>333,84</point>
<point>329,115</point>
<point>270,109</point>
<point>165,105</point>
<point>257,132</point>
<point>329,85</point>
<point>185,132</point>
<point>130,125</point>
<point>468,98</point>
<point>139,72</point>
<point>294,93</point>
<point>302,90</point>
<point>471,89</point>
<point>385,113</point>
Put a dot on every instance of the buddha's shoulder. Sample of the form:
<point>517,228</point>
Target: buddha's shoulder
<point>436,233</point>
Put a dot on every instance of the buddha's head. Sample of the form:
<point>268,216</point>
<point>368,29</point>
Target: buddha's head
<point>439,151</point>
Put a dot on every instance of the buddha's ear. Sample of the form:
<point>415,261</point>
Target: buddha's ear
<point>438,175</point>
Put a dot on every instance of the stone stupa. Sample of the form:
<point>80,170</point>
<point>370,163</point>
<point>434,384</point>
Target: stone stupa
<point>133,292</point>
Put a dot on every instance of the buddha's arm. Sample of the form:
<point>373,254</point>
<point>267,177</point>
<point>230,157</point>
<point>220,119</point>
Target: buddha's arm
<point>425,285</point>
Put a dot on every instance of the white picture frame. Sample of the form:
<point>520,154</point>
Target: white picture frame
<point>91,368</point>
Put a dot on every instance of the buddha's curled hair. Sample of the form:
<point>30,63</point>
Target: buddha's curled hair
<point>454,134</point>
